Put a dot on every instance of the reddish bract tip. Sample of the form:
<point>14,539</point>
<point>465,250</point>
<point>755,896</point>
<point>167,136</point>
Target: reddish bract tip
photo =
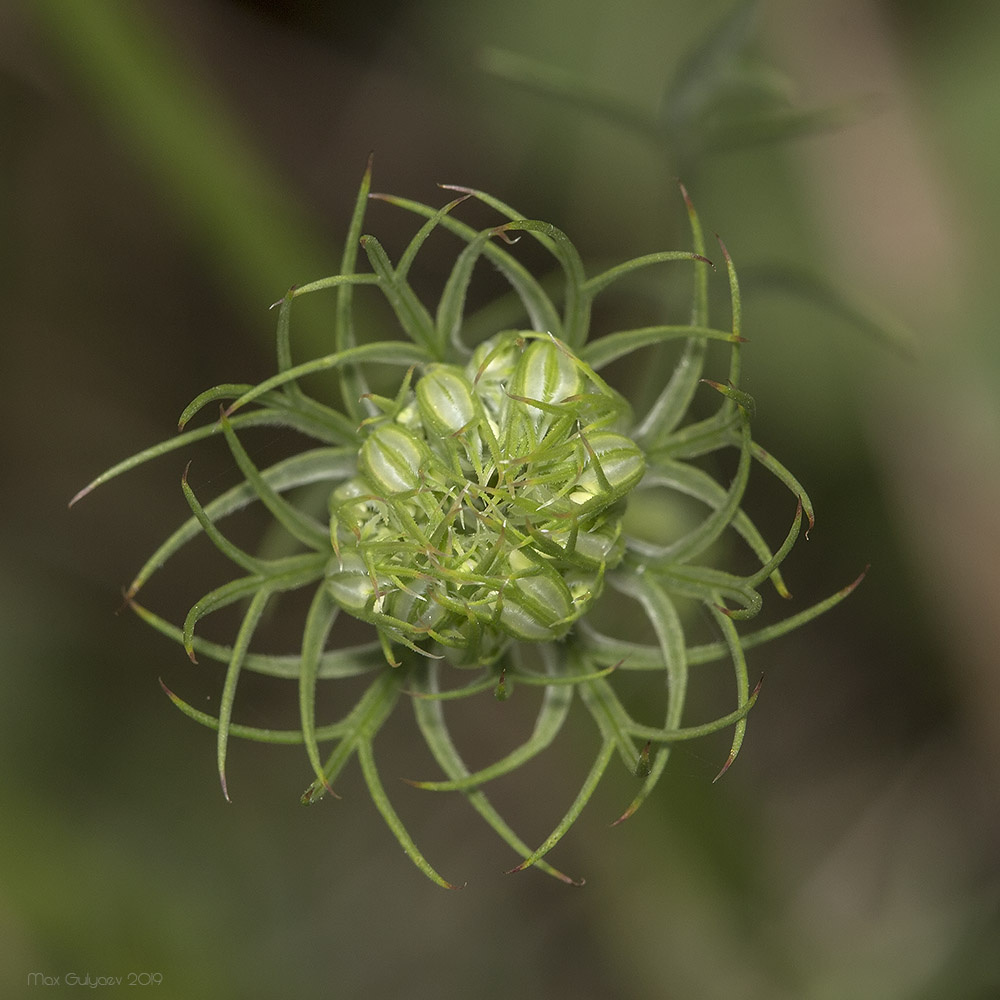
<point>625,815</point>
<point>725,767</point>
<point>856,582</point>
<point>642,766</point>
<point>501,231</point>
<point>80,495</point>
<point>290,294</point>
<point>502,692</point>
<point>313,794</point>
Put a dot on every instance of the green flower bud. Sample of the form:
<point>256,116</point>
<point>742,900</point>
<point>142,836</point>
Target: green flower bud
<point>392,460</point>
<point>445,399</point>
<point>615,465</point>
<point>537,604</point>
<point>350,584</point>
<point>599,543</point>
<point>415,605</point>
<point>547,374</point>
<point>493,362</point>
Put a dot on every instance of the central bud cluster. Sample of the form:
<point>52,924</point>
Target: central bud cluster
<point>487,503</point>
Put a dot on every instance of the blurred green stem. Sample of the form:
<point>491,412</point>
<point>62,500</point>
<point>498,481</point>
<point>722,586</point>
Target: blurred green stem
<point>227,200</point>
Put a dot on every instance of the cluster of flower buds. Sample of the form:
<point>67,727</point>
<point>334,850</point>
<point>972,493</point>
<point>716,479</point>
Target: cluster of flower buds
<point>488,501</point>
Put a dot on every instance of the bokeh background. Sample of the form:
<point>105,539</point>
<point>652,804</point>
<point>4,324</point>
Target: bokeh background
<point>168,169</point>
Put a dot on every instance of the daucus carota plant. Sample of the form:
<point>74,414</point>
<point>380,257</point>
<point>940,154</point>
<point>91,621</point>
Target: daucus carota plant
<point>476,517</point>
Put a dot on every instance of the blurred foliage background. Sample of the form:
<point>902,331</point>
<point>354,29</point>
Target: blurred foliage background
<point>168,170</point>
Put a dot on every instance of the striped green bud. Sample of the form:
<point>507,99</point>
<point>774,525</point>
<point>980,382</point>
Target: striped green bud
<point>445,399</point>
<point>537,604</point>
<point>546,373</point>
<point>392,460</point>
<point>614,467</point>
<point>350,584</point>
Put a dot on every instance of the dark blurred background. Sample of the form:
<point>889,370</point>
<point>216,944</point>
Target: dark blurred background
<point>169,168</point>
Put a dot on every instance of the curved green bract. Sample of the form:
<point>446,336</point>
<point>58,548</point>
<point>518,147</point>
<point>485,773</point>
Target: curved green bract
<point>476,518</point>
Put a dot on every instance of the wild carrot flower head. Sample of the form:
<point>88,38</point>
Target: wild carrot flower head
<point>475,518</point>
